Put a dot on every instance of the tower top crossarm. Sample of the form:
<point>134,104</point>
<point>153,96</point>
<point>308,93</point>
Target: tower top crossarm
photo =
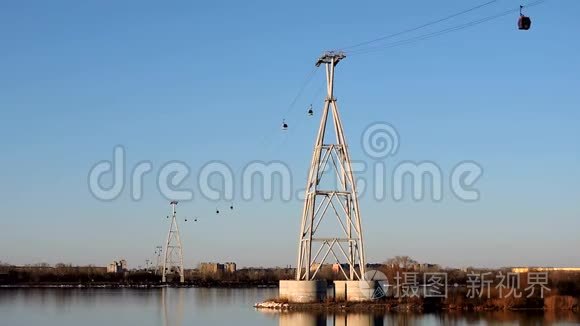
<point>330,57</point>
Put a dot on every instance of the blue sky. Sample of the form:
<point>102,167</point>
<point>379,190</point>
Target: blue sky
<point>197,82</point>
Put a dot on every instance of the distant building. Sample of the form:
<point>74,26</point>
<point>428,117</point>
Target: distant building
<point>4,269</point>
<point>426,267</point>
<point>117,266</point>
<point>320,266</point>
<point>217,268</point>
<point>211,268</point>
<point>336,268</point>
<point>230,267</point>
<point>545,269</point>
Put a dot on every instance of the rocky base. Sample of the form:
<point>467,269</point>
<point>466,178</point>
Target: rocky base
<point>370,306</point>
<point>551,303</point>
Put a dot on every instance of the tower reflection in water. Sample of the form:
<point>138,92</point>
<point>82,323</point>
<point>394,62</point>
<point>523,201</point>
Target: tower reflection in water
<point>172,306</point>
<point>313,319</point>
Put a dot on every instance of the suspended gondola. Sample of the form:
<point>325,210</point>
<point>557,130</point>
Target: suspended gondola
<point>524,22</point>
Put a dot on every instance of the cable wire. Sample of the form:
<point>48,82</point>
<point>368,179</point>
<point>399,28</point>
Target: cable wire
<point>441,32</point>
<point>301,90</point>
<point>418,27</point>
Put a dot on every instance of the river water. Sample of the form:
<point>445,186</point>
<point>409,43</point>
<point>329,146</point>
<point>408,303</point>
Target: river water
<point>199,306</point>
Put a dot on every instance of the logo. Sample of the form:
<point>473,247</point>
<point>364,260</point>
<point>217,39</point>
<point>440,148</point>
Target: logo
<point>375,285</point>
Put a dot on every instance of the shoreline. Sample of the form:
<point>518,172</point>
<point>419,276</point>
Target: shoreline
<point>550,303</point>
<point>138,285</point>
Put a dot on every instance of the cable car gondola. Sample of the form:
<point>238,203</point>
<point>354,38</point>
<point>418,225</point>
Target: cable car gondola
<point>524,23</point>
<point>310,111</point>
<point>284,125</point>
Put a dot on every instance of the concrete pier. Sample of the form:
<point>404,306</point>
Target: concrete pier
<point>355,291</point>
<point>303,291</point>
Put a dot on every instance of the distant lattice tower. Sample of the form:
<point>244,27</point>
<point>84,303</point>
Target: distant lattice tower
<point>331,205</point>
<point>173,253</point>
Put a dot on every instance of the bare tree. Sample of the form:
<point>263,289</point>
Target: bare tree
<point>403,262</point>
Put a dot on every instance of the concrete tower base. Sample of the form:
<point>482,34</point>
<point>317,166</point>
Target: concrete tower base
<point>303,291</point>
<point>354,290</point>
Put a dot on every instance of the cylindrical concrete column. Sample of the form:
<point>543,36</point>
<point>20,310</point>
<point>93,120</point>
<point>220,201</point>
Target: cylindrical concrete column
<point>302,291</point>
<point>354,290</point>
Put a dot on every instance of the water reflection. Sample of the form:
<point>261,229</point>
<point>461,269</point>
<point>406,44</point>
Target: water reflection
<point>447,318</point>
<point>300,318</point>
<point>359,319</point>
<point>320,319</point>
<point>172,306</point>
<point>195,306</point>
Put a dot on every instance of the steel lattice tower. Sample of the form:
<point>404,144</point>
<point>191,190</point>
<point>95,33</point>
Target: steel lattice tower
<point>340,202</point>
<point>173,258</point>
